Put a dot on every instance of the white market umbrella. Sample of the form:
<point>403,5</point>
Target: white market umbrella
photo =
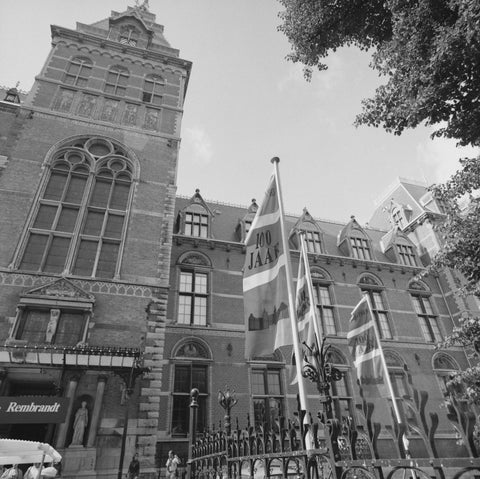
<point>14,451</point>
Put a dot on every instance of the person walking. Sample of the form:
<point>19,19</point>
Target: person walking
<point>134,468</point>
<point>172,465</point>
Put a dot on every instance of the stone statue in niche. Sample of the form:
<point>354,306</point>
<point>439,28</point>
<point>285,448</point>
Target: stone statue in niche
<point>79,425</point>
<point>52,325</point>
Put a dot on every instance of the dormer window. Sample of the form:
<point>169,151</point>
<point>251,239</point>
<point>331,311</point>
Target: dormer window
<point>353,241</point>
<point>196,224</point>
<point>398,218</point>
<point>194,219</point>
<point>129,35</point>
<point>313,241</point>
<point>360,248</point>
<point>244,224</point>
<point>406,254</point>
<point>398,248</point>
<point>312,233</point>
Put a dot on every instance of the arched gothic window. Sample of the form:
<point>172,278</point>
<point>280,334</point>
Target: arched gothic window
<point>79,221</point>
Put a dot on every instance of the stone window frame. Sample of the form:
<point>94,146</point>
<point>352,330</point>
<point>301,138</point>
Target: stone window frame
<point>194,263</point>
<point>129,35</point>
<point>153,89</point>
<point>338,360</point>
<point>321,279</point>
<point>194,353</point>
<point>80,78</point>
<point>428,318</point>
<point>90,167</point>
<point>372,285</point>
<point>59,297</point>
<point>273,364</point>
<point>116,80</point>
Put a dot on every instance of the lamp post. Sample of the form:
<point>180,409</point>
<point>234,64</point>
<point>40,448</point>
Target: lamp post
<point>320,371</point>
<point>135,371</point>
<point>227,400</point>
<point>192,428</point>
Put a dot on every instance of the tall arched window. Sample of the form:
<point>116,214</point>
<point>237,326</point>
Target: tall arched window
<point>268,396</point>
<point>372,286</point>
<point>78,71</point>
<point>191,367</point>
<point>79,222</point>
<point>423,307</point>
<point>341,389</point>
<point>399,381</point>
<point>193,289</point>
<point>322,290</point>
<point>444,366</point>
<point>116,81</point>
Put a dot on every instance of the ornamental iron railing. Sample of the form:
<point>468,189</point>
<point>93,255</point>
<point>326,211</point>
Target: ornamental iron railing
<point>329,448</point>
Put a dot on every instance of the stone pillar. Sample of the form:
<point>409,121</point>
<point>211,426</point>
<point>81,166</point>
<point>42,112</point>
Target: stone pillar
<point>3,375</point>
<point>92,432</point>
<point>63,428</point>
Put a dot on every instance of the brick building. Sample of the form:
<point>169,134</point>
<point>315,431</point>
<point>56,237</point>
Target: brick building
<point>204,344</point>
<point>101,262</point>
<point>87,188</point>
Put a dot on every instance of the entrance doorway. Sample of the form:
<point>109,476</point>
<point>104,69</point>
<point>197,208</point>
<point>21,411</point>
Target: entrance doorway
<point>31,432</point>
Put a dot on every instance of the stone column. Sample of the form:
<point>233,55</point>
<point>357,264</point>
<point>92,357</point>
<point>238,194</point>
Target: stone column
<point>63,428</point>
<point>92,432</point>
<point>3,375</point>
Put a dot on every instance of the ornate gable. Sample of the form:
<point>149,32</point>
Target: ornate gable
<point>60,290</point>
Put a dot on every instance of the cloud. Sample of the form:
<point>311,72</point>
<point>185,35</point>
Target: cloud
<point>439,158</point>
<point>197,146</point>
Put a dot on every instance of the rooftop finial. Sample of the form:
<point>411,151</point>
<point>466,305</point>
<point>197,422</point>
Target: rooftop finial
<point>143,6</point>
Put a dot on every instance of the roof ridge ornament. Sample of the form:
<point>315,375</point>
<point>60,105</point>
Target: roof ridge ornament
<point>142,6</point>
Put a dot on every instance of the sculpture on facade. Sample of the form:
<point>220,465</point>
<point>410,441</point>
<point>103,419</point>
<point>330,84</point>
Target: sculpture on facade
<point>79,425</point>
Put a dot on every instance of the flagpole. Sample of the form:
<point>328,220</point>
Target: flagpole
<point>291,296</point>
<point>382,359</point>
<point>316,323</point>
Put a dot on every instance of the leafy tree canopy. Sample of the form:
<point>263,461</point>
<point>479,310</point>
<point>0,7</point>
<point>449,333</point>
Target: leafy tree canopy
<point>428,51</point>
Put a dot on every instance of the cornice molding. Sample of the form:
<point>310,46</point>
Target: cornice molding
<point>159,57</point>
<point>211,243</point>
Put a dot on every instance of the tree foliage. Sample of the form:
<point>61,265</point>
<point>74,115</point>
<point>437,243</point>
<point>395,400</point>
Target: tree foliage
<point>427,50</point>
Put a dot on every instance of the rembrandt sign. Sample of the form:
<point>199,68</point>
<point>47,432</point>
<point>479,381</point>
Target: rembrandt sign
<point>32,409</point>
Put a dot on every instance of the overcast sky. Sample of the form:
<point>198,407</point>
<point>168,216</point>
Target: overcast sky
<point>245,104</point>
